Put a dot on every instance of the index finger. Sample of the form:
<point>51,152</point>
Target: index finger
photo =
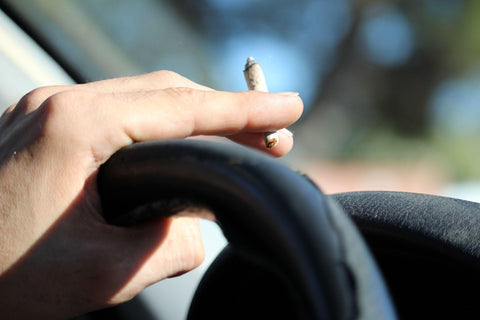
<point>183,112</point>
<point>108,122</point>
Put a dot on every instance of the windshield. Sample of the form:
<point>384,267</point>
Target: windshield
<point>390,88</point>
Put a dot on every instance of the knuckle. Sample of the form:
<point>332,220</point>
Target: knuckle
<point>36,97</point>
<point>187,102</point>
<point>9,110</point>
<point>185,95</point>
<point>69,99</point>
<point>61,111</point>
<point>57,102</point>
<point>170,78</point>
<point>168,74</point>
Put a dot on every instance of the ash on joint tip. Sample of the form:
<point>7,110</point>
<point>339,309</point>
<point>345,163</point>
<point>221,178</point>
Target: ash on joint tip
<point>250,62</point>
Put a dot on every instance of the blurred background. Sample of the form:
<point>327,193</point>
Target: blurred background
<point>391,88</point>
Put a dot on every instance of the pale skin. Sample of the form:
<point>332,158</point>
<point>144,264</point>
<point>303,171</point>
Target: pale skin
<point>58,257</point>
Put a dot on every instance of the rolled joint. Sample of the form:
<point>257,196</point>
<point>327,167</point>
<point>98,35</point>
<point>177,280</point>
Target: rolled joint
<point>270,139</point>
<point>256,81</point>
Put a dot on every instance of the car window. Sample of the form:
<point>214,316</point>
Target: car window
<point>25,66</point>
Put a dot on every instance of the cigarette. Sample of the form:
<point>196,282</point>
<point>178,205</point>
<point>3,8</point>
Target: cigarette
<point>256,81</point>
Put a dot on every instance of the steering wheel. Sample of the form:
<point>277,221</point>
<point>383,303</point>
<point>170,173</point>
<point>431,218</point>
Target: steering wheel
<point>428,248</point>
<point>292,251</point>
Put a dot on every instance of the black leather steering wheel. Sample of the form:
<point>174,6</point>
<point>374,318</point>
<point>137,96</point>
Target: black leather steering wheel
<point>274,219</point>
<point>428,248</point>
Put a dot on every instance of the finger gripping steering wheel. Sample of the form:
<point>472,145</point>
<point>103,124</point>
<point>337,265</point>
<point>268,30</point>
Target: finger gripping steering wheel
<point>268,213</point>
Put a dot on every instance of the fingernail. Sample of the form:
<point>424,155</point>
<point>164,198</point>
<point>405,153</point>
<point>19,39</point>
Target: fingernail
<point>286,132</point>
<point>289,93</point>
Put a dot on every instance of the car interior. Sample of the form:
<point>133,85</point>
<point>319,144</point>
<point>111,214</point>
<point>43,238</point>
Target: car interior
<point>281,245</point>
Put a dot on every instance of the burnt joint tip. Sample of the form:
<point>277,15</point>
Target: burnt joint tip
<point>250,62</point>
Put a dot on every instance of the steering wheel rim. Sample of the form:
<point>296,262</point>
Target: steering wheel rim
<point>427,247</point>
<point>296,229</point>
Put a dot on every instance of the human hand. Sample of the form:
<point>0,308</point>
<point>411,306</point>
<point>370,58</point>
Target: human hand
<point>58,257</point>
